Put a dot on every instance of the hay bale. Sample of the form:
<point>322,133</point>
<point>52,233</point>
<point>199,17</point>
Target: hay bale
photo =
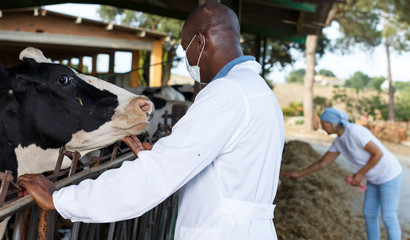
<point>317,206</point>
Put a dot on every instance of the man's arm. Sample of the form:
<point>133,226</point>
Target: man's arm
<point>327,159</point>
<point>42,189</point>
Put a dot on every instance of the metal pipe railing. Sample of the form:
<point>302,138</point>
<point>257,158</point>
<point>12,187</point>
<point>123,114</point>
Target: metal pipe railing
<point>15,206</point>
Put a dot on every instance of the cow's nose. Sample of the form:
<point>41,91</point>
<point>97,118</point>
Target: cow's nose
<point>147,107</point>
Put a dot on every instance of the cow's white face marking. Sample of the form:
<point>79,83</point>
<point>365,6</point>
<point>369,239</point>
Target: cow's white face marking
<point>33,159</point>
<point>105,135</point>
<point>128,119</point>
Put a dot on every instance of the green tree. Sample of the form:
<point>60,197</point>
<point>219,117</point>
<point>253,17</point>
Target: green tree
<point>358,81</point>
<point>277,53</point>
<point>326,72</point>
<point>321,103</point>
<point>403,101</point>
<point>401,85</point>
<point>376,82</point>
<point>296,76</point>
<point>360,24</point>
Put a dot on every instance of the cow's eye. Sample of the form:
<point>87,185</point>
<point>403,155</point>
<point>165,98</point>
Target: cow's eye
<point>63,80</point>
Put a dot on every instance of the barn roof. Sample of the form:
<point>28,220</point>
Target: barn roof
<point>284,19</point>
<point>62,36</point>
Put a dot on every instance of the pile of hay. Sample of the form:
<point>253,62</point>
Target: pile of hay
<point>317,206</point>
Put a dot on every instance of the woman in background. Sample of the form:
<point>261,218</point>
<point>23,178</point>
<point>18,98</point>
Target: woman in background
<point>372,161</point>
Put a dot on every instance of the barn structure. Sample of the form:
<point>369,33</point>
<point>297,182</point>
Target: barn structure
<point>65,37</point>
<point>290,20</point>
<point>285,19</point>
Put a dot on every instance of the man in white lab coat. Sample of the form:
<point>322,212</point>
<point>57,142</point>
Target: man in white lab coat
<point>223,156</point>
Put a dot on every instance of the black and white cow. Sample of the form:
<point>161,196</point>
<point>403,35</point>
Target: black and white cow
<point>44,106</point>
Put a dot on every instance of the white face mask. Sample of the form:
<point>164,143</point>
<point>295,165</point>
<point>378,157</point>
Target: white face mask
<point>194,71</point>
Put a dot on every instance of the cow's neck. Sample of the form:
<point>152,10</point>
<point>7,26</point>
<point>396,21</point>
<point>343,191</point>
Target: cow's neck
<point>33,159</point>
<point>8,160</point>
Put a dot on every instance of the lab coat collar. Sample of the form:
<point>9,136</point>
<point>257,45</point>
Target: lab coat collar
<point>225,70</point>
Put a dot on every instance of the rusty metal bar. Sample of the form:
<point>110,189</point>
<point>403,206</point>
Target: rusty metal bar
<point>32,232</point>
<point>115,151</point>
<point>92,231</point>
<point>111,231</point>
<point>73,168</point>
<point>74,231</point>
<point>83,230</point>
<point>42,225</point>
<point>18,226</point>
<point>135,229</point>
<point>59,160</point>
<point>46,219</point>
<point>6,178</point>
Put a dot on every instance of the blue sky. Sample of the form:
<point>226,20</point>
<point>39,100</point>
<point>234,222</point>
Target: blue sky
<point>373,63</point>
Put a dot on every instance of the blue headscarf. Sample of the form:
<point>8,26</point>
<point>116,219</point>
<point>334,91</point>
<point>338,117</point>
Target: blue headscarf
<point>335,116</point>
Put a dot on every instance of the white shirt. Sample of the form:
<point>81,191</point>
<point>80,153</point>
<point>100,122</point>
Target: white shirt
<point>224,155</point>
<point>351,145</point>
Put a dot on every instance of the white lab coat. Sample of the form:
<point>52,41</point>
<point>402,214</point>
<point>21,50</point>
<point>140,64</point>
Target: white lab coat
<point>224,155</point>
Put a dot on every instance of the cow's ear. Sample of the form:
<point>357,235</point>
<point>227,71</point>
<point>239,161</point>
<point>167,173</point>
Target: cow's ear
<point>4,78</point>
<point>19,75</point>
<point>34,54</point>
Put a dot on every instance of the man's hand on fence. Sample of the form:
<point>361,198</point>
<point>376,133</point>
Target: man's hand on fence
<point>135,145</point>
<point>40,188</point>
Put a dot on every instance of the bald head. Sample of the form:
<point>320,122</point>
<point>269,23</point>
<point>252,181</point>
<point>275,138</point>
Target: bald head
<point>214,28</point>
<point>213,19</point>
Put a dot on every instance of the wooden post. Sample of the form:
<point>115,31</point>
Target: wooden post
<point>94,66</point>
<point>80,64</point>
<point>134,68</point>
<point>156,64</point>
<point>111,63</point>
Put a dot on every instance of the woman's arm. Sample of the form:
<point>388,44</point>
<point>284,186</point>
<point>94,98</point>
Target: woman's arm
<point>376,154</point>
<point>327,159</point>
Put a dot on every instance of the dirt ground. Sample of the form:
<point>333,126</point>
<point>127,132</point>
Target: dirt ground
<point>321,206</point>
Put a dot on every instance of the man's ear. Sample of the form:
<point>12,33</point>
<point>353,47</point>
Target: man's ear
<point>4,78</point>
<point>202,41</point>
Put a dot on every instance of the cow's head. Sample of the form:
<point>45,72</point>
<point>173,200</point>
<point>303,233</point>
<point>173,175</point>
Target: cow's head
<point>56,106</point>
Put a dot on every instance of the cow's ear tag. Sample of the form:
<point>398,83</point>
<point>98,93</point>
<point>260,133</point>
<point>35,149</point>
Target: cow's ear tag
<point>35,54</point>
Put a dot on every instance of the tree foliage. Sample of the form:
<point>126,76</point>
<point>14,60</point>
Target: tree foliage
<point>278,52</point>
<point>326,73</point>
<point>405,86</point>
<point>367,22</point>
<point>403,100</point>
<point>296,76</point>
<point>358,81</point>
<point>376,82</point>
<point>372,22</point>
